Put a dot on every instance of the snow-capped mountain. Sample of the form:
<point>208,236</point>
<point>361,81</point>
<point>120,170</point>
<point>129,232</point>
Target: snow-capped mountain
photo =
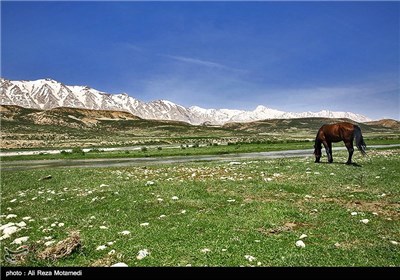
<point>47,94</point>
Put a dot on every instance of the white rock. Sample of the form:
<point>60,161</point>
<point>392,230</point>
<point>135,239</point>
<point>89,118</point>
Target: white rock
<point>125,232</point>
<point>120,264</point>
<point>162,216</point>
<point>365,221</point>
<point>300,243</point>
<point>394,242</point>
<point>303,236</point>
<point>205,250</point>
<point>183,211</point>
<point>144,224</point>
<point>14,200</point>
<point>10,230</point>
<point>142,254</point>
<point>20,240</point>
<point>231,200</point>
<point>103,185</point>
<point>61,224</point>
<point>21,224</point>
<point>10,216</point>
<point>234,163</point>
<point>249,258</point>
<point>103,227</point>
<point>6,226</point>
<point>48,243</point>
<point>27,218</point>
<point>4,236</point>
<point>101,247</point>
<point>353,213</point>
<point>174,198</point>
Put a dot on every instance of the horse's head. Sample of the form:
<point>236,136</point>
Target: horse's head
<point>317,152</point>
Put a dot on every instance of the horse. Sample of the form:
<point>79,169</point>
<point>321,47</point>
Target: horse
<point>343,131</point>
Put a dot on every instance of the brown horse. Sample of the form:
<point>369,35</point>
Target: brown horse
<point>343,131</point>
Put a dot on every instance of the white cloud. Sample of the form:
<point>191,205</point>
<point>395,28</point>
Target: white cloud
<point>201,62</point>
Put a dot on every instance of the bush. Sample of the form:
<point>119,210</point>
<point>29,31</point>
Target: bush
<point>144,149</point>
<point>78,150</point>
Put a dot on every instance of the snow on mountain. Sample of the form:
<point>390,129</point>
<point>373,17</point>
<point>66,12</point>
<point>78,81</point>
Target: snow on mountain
<point>47,94</point>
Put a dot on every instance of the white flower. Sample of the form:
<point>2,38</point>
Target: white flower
<point>125,232</point>
<point>103,185</point>
<point>205,250</point>
<point>149,183</point>
<point>300,243</point>
<point>142,254</point>
<point>61,224</point>
<point>231,200</point>
<point>183,211</point>
<point>160,199</point>
<point>14,200</point>
<point>162,216</point>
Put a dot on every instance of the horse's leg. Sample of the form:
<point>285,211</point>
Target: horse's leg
<point>328,152</point>
<point>350,149</point>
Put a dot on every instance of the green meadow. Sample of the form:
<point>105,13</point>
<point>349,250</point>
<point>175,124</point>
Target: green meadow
<point>275,212</point>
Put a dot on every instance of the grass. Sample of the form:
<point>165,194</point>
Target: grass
<point>157,151</point>
<point>255,208</point>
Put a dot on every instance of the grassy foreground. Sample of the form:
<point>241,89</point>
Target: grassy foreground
<point>248,213</point>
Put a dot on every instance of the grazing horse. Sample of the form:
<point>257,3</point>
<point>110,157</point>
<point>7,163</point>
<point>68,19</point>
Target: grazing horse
<point>343,131</point>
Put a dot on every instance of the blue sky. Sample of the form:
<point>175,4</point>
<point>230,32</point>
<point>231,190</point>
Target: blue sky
<point>291,56</point>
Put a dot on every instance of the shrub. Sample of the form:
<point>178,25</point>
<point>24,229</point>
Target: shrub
<point>78,150</point>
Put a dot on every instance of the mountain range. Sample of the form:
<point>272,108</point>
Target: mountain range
<point>48,94</point>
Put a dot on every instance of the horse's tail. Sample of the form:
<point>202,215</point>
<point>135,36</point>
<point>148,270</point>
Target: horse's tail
<point>359,140</point>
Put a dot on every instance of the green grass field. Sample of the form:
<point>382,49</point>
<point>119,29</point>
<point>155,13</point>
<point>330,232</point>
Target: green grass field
<point>248,213</point>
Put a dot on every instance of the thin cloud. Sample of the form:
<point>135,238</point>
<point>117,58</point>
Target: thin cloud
<point>200,62</point>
